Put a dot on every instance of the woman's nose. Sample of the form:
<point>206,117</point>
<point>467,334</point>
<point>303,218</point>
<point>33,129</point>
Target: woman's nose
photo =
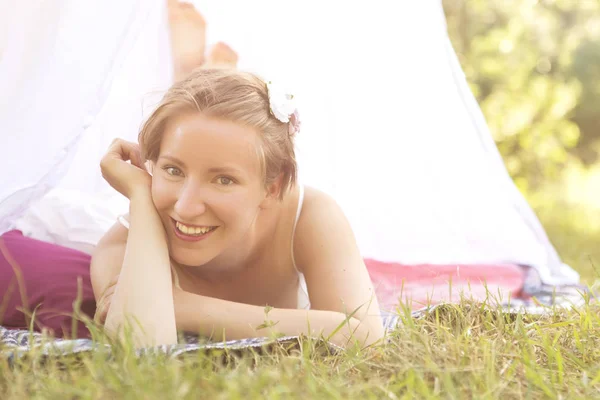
<point>190,202</point>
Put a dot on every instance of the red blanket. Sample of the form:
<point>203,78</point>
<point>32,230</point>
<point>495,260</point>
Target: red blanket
<point>420,285</point>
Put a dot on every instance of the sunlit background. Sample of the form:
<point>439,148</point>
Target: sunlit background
<point>534,66</point>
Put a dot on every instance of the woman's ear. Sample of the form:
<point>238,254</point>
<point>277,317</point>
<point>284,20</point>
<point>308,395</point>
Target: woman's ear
<point>273,192</point>
<point>149,167</point>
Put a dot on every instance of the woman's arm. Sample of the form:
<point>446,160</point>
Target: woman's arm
<point>326,252</point>
<point>226,320</point>
<point>340,289</point>
<point>143,296</point>
<point>107,260</point>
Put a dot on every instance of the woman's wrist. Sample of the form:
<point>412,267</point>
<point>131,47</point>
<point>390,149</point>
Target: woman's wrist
<point>182,319</point>
<point>140,194</point>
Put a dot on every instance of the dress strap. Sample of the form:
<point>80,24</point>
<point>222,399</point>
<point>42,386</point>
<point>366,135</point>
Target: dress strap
<point>298,211</point>
<point>123,221</point>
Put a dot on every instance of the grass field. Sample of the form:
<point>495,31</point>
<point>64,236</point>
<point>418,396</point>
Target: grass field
<point>458,352</point>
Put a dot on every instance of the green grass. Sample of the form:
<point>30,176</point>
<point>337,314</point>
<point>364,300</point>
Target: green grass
<point>577,243</point>
<point>459,352</point>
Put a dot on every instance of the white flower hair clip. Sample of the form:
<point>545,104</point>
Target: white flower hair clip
<point>283,107</point>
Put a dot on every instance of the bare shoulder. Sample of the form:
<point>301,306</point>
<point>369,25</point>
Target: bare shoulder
<point>321,209</point>
<point>117,234</point>
<point>327,254</point>
<point>317,204</point>
<point>107,258</point>
<point>322,225</point>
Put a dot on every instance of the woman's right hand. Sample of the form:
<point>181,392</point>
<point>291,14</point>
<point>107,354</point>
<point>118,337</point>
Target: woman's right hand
<point>105,301</point>
<point>127,178</point>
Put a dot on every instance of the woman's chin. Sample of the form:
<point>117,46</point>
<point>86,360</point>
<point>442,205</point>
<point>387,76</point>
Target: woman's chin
<point>191,258</point>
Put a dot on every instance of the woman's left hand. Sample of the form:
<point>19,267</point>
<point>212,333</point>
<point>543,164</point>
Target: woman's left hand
<point>105,301</point>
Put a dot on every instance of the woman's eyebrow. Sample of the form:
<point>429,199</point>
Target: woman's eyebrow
<point>214,170</point>
<point>217,170</point>
<point>173,159</point>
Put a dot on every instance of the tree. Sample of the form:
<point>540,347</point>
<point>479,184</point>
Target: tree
<point>534,67</point>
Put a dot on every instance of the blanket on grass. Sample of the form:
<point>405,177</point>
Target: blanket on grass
<point>532,297</point>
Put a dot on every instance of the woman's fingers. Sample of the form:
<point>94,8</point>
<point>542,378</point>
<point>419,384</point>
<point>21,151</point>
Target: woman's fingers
<point>105,298</point>
<point>111,287</point>
<point>102,309</point>
<point>120,174</point>
<point>136,157</point>
<point>118,152</point>
<point>123,149</point>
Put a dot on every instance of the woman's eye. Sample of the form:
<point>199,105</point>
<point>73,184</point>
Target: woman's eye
<point>173,171</point>
<point>223,180</point>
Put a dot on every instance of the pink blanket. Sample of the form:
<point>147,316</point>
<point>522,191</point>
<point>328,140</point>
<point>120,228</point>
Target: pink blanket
<point>418,286</point>
<point>49,275</point>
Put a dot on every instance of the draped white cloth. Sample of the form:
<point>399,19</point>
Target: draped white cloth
<point>77,77</point>
<point>390,127</point>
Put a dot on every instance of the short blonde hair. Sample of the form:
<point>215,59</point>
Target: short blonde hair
<point>234,95</point>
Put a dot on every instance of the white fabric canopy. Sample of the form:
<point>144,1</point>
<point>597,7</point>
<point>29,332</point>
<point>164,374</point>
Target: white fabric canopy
<point>61,59</point>
<point>89,74</point>
<point>390,127</point>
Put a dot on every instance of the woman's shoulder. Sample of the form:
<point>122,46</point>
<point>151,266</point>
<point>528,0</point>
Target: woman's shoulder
<point>318,208</point>
<point>315,199</point>
<point>322,231</point>
<point>107,258</point>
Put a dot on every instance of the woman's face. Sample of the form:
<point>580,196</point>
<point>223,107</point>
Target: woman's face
<point>207,186</point>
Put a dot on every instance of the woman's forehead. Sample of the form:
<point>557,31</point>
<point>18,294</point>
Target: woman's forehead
<point>200,139</point>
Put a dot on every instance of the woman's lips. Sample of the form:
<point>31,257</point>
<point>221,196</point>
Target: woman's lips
<point>190,238</point>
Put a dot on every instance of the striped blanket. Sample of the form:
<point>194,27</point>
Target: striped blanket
<point>17,343</point>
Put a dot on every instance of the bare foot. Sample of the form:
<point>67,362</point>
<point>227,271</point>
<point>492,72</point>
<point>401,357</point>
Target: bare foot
<point>221,55</point>
<point>188,37</point>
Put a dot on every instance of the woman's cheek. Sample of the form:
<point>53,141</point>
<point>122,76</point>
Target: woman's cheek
<point>162,192</point>
<point>240,206</point>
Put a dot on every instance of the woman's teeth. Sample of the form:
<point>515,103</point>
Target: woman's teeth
<point>194,231</point>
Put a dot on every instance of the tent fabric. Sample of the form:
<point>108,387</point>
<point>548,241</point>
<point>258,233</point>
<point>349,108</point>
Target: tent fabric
<point>69,203</point>
<point>389,125</point>
<point>391,130</point>
<point>59,60</point>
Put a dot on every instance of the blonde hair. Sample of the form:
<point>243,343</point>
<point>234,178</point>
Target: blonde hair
<point>234,95</point>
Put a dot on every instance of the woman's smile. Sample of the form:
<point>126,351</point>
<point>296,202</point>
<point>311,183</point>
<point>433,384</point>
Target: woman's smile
<point>192,233</point>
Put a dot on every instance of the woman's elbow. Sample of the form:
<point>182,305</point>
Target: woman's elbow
<point>141,332</point>
<point>365,332</point>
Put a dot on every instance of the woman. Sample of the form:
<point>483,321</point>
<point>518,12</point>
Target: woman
<point>219,228</point>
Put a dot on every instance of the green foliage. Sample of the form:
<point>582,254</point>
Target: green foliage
<point>534,67</point>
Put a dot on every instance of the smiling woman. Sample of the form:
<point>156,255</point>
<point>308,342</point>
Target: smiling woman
<point>207,178</point>
<point>219,229</point>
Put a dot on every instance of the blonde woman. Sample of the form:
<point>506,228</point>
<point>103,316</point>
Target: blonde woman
<point>219,228</point>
